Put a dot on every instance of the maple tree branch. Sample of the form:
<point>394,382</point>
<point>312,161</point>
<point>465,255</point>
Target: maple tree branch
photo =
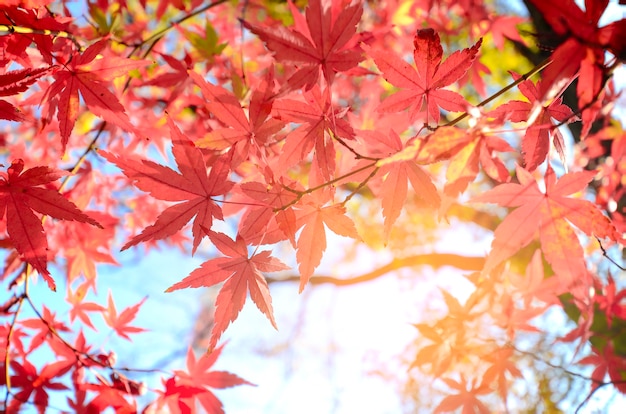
<point>7,358</point>
<point>598,384</point>
<point>28,30</point>
<point>300,194</point>
<point>538,68</point>
<point>80,354</point>
<point>352,150</point>
<point>158,35</point>
<point>434,260</point>
<point>605,254</point>
<point>593,391</point>
<point>360,186</point>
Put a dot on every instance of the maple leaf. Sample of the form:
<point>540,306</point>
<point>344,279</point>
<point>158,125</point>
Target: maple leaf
<point>44,326</point>
<point>505,27</point>
<point>120,322</point>
<point>28,14</point>
<point>21,195</point>
<point>268,209</point>
<point>31,382</point>
<point>241,274</point>
<point>325,40</point>
<point>423,83</point>
<point>465,398</point>
<point>245,134</point>
<point>320,123</point>
<point>513,319</point>
<point>397,175</point>
<point>183,389</point>
<point>312,217</point>
<point>198,375</point>
<point>192,186</point>
<point>582,52</point>
<point>466,151</point>
<point>79,307</point>
<point>606,361</point>
<point>14,82</point>
<point>549,214</point>
<point>88,75</point>
<point>500,364</point>
<point>534,285</point>
<point>611,301</point>
<point>536,141</point>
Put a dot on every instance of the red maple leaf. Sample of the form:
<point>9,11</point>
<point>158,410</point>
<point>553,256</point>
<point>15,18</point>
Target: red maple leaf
<point>324,40</point>
<point>241,274</point>
<point>29,14</point>
<point>582,52</point>
<point>44,326</point>
<point>423,84</point>
<point>21,194</point>
<point>89,75</point>
<point>319,123</point>
<point>79,307</point>
<point>31,382</point>
<point>182,390</point>
<point>267,220</point>
<point>193,186</point>
<point>120,322</point>
<point>606,361</point>
<point>536,141</point>
<point>244,134</point>
<point>611,301</point>
<point>14,82</point>
<point>549,214</point>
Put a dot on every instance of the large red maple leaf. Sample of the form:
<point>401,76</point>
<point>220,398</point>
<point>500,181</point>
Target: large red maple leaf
<point>193,186</point>
<point>324,40</point>
<point>21,194</point>
<point>549,214</point>
<point>89,74</point>
<point>424,83</point>
<point>241,273</point>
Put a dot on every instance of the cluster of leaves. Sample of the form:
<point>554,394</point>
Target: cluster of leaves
<point>279,129</point>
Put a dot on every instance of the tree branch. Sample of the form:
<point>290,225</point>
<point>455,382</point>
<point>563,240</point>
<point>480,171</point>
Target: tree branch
<point>434,260</point>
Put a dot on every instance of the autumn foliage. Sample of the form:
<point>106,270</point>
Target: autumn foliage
<point>140,124</point>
